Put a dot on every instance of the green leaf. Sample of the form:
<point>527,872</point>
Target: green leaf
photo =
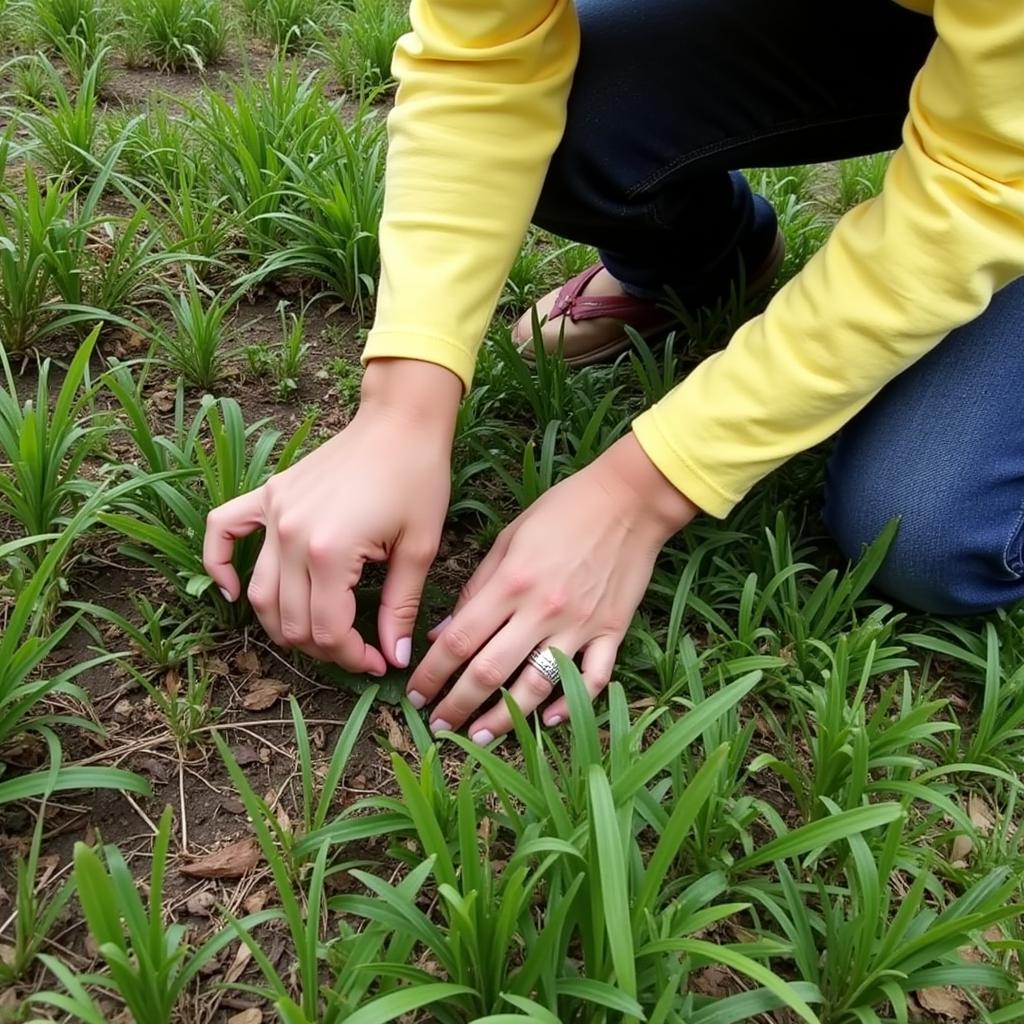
<point>387,1008</point>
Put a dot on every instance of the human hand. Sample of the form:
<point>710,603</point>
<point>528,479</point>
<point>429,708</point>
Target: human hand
<point>569,573</point>
<point>378,491</point>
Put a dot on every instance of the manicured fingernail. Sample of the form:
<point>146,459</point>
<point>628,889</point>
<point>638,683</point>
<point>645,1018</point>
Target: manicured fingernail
<point>483,737</point>
<point>403,651</point>
<point>416,699</point>
<point>223,593</point>
<point>554,720</point>
<point>439,725</point>
<point>444,622</point>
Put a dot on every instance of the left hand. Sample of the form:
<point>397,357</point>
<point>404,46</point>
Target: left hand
<point>568,573</point>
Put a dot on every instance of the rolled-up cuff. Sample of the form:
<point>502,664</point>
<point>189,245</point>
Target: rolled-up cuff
<point>657,440</point>
<point>390,344</point>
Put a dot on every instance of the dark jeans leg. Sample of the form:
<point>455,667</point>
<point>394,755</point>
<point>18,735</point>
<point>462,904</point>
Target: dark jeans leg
<point>942,447</point>
<point>672,95</point>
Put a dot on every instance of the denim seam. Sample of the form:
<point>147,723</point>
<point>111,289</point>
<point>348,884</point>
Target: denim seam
<point>735,143</point>
<point>1016,563</point>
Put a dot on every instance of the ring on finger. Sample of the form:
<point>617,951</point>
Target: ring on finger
<point>544,662</point>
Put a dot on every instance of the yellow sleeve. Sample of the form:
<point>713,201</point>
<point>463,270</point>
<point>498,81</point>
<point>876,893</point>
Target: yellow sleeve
<point>898,274</point>
<point>479,111</point>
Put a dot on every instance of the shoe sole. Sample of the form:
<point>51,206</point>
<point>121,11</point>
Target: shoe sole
<point>612,350</point>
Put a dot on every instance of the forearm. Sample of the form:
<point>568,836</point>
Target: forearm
<point>479,111</point>
<point>898,275</point>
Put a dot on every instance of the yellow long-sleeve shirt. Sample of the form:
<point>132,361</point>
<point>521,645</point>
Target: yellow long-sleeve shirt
<point>480,109</point>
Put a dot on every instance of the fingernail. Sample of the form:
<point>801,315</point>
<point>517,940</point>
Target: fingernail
<point>403,651</point>
<point>223,593</point>
<point>416,699</point>
<point>439,725</point>
<point>378,673</point>
<point>554,720</point>
<point>444,622</point>
<point>483,737</point>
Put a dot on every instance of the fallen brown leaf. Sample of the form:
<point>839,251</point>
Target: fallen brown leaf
<point>981,814</point>
<point>397,737</point>
<point>231,861</point>
<point>201,903</point>
<point>247,661</point>
<point>254,903</point>
<point>251,1016</point>
<point>238,965</point>
<point>245,754</point>
<point>947,1002</point>
<point>263,693</point>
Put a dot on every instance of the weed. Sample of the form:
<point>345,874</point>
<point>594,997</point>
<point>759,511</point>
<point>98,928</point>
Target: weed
<point>359,49</point>
<point>160,639</point>
<point>165,520</point>
<point>193,346</point>
<point>46,442</point>
<point>283,363</point>
<point>148,963</point>
<point>175,34</point>
<point>860,179</point>
<point>65,131</point>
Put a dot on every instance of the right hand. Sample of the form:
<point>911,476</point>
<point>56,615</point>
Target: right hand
<point>378,491</point>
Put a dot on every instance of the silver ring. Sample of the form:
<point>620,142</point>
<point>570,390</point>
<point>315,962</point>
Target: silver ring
<point>544,662</point>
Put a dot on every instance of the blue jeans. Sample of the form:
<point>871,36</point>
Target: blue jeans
<point>670,96</point>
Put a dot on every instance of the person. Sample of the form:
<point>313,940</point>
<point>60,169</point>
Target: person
<point>620,123</point>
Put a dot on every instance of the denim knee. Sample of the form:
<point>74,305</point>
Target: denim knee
<point>951,554</point>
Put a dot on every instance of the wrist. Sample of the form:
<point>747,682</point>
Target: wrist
<point>424,395</point>
<point>651,495</point>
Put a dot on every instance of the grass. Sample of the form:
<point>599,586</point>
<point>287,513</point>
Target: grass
<point>796,802</point>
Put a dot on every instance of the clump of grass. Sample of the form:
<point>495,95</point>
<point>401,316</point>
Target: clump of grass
<point>174,34</point>
<point>360,47</point>
<point>860,179</point>
<point>327,219</point>
<point>65,132</point>
<point>194,345</point>
<point>289,24</point>
<point>282,363</point>
<point>76,29</point>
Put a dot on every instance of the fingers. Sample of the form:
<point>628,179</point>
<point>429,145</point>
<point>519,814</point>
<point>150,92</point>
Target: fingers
<point>460,639</point>
<point>224,525</point>
<point>486,673</point>
<point>481,576</point>
<point>530,690</point>
<point>331,624</point>
<point>400,599</point>
<point>264,591</point>
<point>597,668</point>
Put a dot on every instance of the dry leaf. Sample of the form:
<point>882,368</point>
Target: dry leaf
<point>254,903</point>
<point>231,861</point>
<point>245,754</point>
<point>162,400</point>
<point>397,737</point>
<point>124,709</point>
<point>238,965</point>
<point>713,981</point>
<point>263,693</point>
<point>946,1002</point>
<point>958,854</point>
<point>247,661</point>
<point>251,1016</point>
<point>216,666</point>
<point>6,954</point>
<point>172,682</point>
<point>200,904</point>
<point>982,816</point>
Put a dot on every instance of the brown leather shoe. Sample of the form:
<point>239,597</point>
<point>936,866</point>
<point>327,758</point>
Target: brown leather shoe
<point>591,327</point>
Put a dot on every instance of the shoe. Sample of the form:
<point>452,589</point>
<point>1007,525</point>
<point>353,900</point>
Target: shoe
<point>592,328</point>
